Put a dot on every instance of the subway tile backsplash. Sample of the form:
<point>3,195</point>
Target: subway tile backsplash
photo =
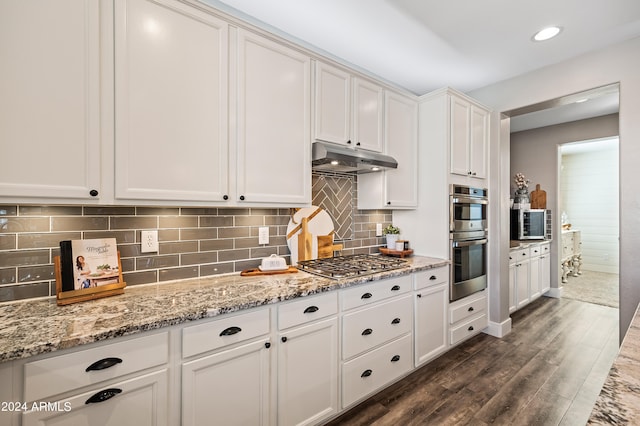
<point>194,242</point>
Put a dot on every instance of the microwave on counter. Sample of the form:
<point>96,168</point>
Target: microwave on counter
<point>529,224</point>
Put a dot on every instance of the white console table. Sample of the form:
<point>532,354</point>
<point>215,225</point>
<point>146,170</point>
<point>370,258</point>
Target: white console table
<point>571,254</point>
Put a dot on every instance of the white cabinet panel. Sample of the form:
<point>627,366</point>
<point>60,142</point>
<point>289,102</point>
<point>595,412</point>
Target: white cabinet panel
<point>274,132</point>
<point>368,115</point>
<point>51,99</point>
<point>459,130</point>
<point>431,305</point>
<point>469,138</point>
<point>171,102</point>
<point>333,104</point>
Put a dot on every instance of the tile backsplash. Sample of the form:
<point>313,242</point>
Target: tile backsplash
<point>194,242</point>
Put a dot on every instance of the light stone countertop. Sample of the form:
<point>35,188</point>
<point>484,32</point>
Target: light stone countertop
<point>34,327</point>
<point>619,399</point>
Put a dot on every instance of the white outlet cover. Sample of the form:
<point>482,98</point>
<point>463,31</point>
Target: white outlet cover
<point>378,229</point>
<point>148,241</point>
<point>263,235</point>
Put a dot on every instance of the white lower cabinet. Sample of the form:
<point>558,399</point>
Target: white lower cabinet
<point>228,388</point>
<point>430,318</point>
<point>529,274</point>
<point>467,317</point>
<point>308,360</point>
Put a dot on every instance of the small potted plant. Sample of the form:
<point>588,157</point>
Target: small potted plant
<point>392,233</point>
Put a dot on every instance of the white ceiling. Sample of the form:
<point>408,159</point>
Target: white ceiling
<point>423,45</point>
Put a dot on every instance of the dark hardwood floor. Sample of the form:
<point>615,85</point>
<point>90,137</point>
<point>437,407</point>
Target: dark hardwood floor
<point>548,371</point>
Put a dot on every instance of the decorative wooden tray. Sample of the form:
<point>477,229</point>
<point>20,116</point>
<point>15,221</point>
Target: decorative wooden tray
<point>256,271</point>
<point>399,253</point>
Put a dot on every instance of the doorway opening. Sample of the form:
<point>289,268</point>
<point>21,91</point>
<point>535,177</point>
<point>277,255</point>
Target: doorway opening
<point>589,211</point>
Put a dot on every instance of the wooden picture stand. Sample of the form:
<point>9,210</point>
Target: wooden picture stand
<point>82,295</point>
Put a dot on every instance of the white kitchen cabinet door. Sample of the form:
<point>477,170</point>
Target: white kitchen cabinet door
<point>545,273</point>
<point>522,283</point>
<point>228,388</point>
<point>431,306</point>
<point>333,104</point>
<point>395,188</point>
<point>478,143</point>
<point>171,85</point>
<point>139,401</point>
<point>308,373</point>
<point>274,122</point>
<point>513,296</point>
<point>459,134</point>
<point>368,99</point>
<point>535,282</point>
<point>50,107</point>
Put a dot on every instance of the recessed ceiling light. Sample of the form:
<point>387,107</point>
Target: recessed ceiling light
<point>375,169</point>
<point>546,33</point>
<point>334,163</point>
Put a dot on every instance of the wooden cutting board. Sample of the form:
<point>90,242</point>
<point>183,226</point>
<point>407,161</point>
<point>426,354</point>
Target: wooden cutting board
<point>326,246</point>
<point>538,198</point>
<point>319,223</point>
<point>305,241</point>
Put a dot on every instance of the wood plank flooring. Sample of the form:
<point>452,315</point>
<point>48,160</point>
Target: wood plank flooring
<point>548,371</point>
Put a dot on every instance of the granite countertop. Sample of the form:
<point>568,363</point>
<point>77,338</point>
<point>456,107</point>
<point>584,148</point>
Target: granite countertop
<point>619,399</point>
<point>35,327</point>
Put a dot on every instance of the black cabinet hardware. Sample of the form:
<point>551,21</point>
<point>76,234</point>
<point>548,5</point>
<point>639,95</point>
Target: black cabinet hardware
<point>242,198</point>
<point>349,142</point>
<point>470,328</point>
<point>311,309</point>
<point>395,321</point>
<point>395,288</point>
<point>367,332</point>
<point>395,358</point>
<point>284,339</point>
<point>470,309</point>
<point>366,296</point>
<point>358,144</point>
<point>103,395</point>
<point>93,193</point>
<point>230,331</point>
<point>419,295</point>
<point>433,277</point>
<point>366,373</point>
<point>267,345</point>
<point>104,363</point>
<point>225,197</point>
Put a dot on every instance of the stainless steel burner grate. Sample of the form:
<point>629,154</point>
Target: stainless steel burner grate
<point>351,266</point>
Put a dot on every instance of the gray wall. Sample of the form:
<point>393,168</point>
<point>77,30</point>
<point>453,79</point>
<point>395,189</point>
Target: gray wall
<point>535,153</point>
<point>616,64</point>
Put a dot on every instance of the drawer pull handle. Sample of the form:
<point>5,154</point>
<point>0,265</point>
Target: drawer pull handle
<point>470,328</point>
<point>366,373</point>
<point>103,395</point>
<point>366,296</point>
<point>433,277</point>
<point>230,331</point>
<point>395,358</point>
<point>311,309</point>
<point>367,332</point>
<point>395,321</point>
<point>103,363</point>
<point>470,309</point>
<point>395,288</point>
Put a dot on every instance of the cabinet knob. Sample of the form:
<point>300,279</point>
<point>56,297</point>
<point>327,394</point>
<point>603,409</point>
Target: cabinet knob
<point>242,198</point>
<point>267,345</point>
<point>358,144</point>
<point>419,295</point>
<point>225,197</point>
<point>470,309</point>
<point>469,173</point>
<point>283,339</point>
<point>388,203</point>
<point>93,193</point>
<point>470,328</point>
<point>349,142</point>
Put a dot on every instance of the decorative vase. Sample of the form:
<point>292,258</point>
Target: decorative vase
<point>391,241</point>
<point>522,196</point>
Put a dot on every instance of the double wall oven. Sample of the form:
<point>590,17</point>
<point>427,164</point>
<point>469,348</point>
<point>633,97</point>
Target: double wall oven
<point>468,238</point>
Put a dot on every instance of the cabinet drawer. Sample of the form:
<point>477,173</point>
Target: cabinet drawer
<point>545,248</point>
<point>368,373</point>
<point>225,331</point>
<point>535,250</point>
<point>468,329</point>
<point>374,292</point>
<point>467,309</point>
<point>62,373</point>
<point>430,278</point>
<point>518,255</point>
<point>307,309</point>
<point>370,327</point>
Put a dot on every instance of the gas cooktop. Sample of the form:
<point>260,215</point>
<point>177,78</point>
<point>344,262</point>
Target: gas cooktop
<point>351,266</point>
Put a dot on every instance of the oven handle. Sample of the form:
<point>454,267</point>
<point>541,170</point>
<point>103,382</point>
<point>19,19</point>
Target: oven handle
<point>469,243</point>
<point>468,200</point>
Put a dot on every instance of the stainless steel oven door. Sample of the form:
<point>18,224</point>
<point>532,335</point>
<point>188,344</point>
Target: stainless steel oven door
<point>467,214</point>
<point>469,267</point>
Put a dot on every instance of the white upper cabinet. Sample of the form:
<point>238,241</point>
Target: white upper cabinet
<point>469,133</point>
<point>395,188</point>
<point>273,123</point>
<point>348,110</point>
<point>368,101</point>
<point>171,102</point>
<point>50,102</point>
<point>333,104</point>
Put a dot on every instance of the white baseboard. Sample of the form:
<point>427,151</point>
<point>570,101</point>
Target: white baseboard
<point>554,292</point>
<point>499,329</point>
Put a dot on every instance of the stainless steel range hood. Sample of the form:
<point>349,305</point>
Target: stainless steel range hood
<point>330,157</point>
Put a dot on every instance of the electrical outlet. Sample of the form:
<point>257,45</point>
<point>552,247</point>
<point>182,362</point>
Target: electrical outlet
<point>149,241</point>
<point>378,230</point>
<point>263,235</point>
